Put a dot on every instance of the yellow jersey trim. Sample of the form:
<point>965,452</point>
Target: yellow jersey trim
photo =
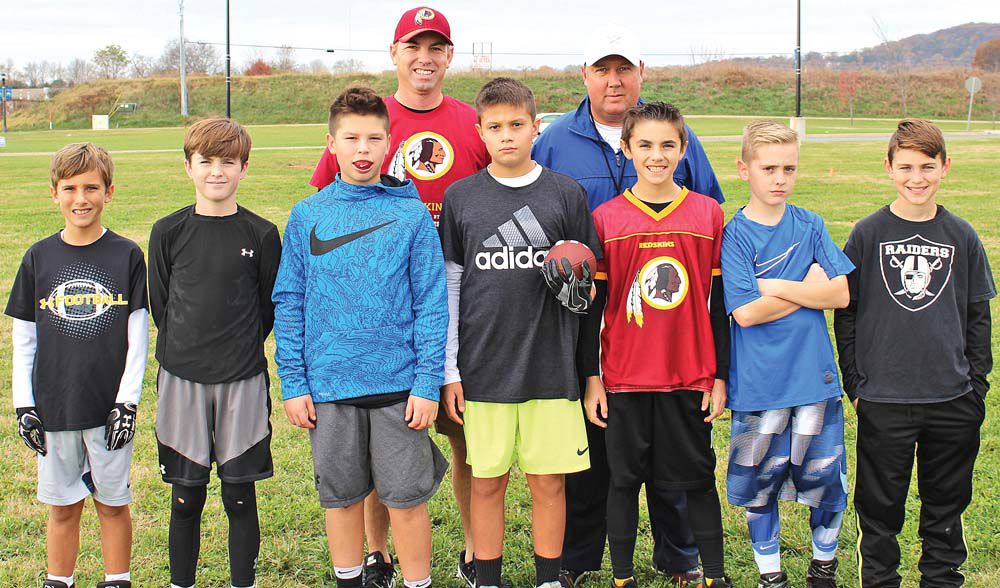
<point>652,213</point>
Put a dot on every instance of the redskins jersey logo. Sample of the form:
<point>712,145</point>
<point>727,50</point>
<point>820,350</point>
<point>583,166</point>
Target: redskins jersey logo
<point>662,284</point>
<point>915,270</point>
<point>422,15</point>
<point>424,156</point>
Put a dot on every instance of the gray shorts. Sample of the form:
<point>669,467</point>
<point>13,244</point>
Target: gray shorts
<point>356,450</point>
<point>79,464</point>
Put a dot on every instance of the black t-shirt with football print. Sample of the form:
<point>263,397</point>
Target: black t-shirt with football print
<point>913,285</point>
<point>516,341</point>
<point>80,298</point>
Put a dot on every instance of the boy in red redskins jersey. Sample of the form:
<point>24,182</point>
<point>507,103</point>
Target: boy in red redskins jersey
<point>665,342</point>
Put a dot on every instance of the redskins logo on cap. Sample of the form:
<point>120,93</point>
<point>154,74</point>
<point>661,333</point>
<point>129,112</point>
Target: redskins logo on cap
<point>422,15</point>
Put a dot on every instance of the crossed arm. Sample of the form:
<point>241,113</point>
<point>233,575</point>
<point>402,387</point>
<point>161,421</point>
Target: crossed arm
<point>780,298</point>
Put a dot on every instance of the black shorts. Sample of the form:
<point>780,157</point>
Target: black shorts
<point>659,438</point>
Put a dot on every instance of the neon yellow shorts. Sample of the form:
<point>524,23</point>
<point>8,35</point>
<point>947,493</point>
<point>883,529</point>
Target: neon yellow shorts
<point>548,435</point>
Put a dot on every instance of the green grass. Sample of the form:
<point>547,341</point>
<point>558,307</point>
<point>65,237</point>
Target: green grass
<point>293,554</point>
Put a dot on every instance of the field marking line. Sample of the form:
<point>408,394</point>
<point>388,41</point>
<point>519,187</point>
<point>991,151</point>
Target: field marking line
<point>125,151</point>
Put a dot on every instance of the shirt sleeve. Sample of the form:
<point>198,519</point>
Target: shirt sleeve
<point>289,312</point>
<point>701,177</point>
<point>430,310</point>
<point>581,222</point>
<point>738,277</point>
<point>602,261</point>
<point>326,170</point>
<point>453,277</point>
<point>451,236</point>
<point>844,320</point>
<point>267,272</point>
<point>24,340</point>
<point>130,387</point>
<point>159,275</point>
<point>23,300</point>
<point>978,348</point>
<point>981,285</point>
<point>830,257</point>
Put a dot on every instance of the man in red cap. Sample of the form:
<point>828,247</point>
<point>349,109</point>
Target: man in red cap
<point>433,141</point>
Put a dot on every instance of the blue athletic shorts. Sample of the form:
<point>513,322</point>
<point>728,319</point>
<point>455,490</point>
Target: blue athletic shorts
<point>792,453</point>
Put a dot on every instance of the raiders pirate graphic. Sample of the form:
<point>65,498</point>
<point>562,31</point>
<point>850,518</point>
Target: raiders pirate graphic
<point>662,284</point>
<point>915,270</point>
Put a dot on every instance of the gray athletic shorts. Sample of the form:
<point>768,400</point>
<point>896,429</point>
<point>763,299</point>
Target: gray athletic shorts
<point>356,450</point>
<point>78,464</point>
<point>228,423</point>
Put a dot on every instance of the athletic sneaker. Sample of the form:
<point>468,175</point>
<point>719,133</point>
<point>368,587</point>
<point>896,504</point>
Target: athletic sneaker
<point>55,584</point>
<point>376,573</point>
<point>630,583</point>
<point>723,582</point>
<point>692,578</point>
<point>466,571</point>
<point>773,580</point>
<point>115,584</point>
<point>571,578</point>
<point>822,574</point>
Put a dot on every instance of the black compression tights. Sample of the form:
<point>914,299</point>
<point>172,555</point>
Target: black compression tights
<point>240,503</point>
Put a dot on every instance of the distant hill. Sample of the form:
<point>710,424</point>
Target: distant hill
<point>951,47</point>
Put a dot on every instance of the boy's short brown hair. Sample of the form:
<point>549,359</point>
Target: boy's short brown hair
<point>359,100</point>
<point>77,158</point>
<point>657,111</point>
<point>505,92</point>
<point>920,135</point>
<point>765,132</point>
<point>217,137</point>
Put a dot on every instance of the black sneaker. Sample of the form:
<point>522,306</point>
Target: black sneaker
<point>115,584</point>
<point>693,578</point>
<point>723,582</point>
<point>773,580</point>
<point>55,584</point>
<point>466,571</point>
<point>822,574</point>
<point>571,578</point>
<point>376,573</point>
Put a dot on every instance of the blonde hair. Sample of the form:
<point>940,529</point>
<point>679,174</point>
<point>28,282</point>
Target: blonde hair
<point>217,137</point>
<point>765,132</point>
<point>78,158</point>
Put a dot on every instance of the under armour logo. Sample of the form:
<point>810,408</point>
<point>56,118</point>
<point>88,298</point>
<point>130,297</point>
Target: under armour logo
<point>163,470</point>
<point>247,252</point>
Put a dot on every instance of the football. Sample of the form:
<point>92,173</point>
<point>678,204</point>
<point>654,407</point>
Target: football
<point>576,252</point>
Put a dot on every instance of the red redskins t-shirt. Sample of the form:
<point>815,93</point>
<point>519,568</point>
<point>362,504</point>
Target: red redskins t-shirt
<point>657,334</point>
<point>433,148</point>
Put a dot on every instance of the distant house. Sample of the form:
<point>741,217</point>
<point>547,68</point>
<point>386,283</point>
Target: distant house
<point>31,94</point>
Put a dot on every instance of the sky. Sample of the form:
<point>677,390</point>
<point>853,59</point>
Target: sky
<point>522,33</point>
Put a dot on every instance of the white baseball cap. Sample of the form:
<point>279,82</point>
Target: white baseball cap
<point>612,40</point>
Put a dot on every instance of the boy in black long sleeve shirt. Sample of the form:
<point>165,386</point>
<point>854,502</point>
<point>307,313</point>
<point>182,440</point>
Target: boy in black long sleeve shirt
<point>915,353</point>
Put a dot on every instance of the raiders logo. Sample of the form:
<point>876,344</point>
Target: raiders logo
<point>422,15</point>
<point>424,156</point>
<point>662,283</point>
<point>915,270</point>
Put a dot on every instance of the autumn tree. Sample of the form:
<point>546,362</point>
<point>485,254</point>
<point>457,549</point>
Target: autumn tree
<point>258,68</point>
<point>847,87</point>
<point>988,56</point>
<point>899,66</point>
<point>111,61</point>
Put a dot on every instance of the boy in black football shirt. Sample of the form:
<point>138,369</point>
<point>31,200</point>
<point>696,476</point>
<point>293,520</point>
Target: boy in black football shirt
<point>915,354</point>
<point>80,339</point>
<point>211,270</point>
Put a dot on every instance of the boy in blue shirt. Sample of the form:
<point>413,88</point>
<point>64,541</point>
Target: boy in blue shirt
<point>780,271</point>
<point>361,319</point>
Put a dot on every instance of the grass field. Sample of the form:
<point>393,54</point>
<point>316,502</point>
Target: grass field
<point>841,181</point>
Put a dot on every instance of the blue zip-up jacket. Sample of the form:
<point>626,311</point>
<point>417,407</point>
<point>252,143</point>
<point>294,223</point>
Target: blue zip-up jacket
<point>360,302</point>
<point>572,146</point>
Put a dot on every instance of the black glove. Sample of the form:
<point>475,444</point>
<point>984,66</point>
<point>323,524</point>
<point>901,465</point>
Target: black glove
<point>121,425</point>
<point>29,427</point>
<point>574,293</point>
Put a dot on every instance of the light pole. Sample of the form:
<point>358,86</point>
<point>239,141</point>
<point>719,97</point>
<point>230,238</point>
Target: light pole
<point>798,58</point>
<point>3,99</point>
<point>184,88</point>
<point>229,77</point>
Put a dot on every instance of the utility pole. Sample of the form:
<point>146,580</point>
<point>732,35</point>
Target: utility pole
<point>797,122</point>
<point>229,77</point>
<point>3,99</point>
<point>184,88</point>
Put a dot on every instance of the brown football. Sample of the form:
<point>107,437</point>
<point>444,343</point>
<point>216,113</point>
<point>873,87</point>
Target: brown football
<point>576,252</point>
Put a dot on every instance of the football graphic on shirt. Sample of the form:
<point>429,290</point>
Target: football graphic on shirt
<point>915,270</point>
<point>662,284</point>
<point>83,301</point>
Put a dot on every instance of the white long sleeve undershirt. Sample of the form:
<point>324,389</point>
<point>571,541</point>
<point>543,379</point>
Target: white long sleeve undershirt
<point>24,338</point>
<point>453,278</point>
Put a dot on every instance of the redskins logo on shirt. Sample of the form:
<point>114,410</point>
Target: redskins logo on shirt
<point>424,156</point>
<point>662,284</point>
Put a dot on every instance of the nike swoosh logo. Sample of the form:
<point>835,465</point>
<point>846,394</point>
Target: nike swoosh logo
<point>319,246</point>
<point>582,451</point>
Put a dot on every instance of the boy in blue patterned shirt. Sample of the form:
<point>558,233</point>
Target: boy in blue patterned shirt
<point>361,319</point>
<point>781,270</point>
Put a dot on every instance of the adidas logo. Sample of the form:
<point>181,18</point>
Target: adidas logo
<point>521,242</point>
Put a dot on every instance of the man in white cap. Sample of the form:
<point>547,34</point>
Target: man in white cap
<point>433,141</point>
<point>586,145</point>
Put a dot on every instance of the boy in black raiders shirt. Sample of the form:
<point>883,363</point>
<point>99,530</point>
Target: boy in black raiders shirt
<point>80,339</point>
<point>212,268</point>
<point>915,354</point>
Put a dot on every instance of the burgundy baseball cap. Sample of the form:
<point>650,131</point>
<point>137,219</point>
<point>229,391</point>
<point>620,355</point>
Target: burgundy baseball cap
<point>420,20</point>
